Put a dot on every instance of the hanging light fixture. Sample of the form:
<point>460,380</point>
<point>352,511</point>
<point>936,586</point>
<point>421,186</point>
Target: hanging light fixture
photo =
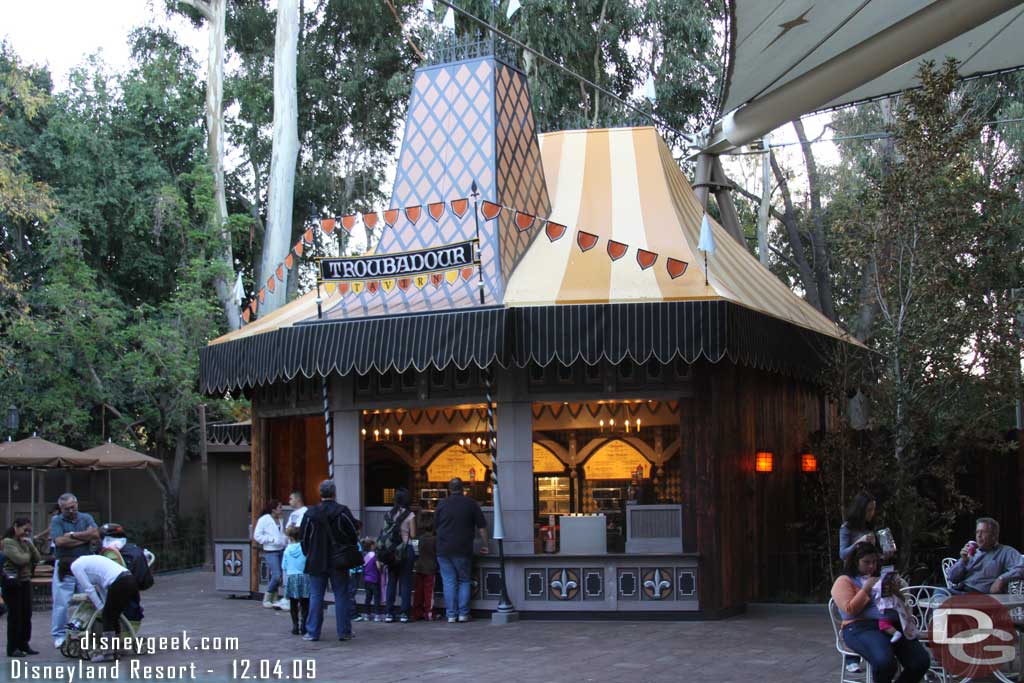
<point>764,462</point>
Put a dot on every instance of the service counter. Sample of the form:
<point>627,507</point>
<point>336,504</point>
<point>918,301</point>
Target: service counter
<point>625,583</point>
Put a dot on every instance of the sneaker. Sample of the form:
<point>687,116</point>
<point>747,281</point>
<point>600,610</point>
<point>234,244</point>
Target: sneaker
<point>463,618</point>
<point>358,617</point>
<point>102,657</point>
<point>452,620</point>
<point>347,636</point>
<point>388,619</point>
<point>57,642</point>
<point>309,638</point>
<point>404,619</point>
<point>283,604</point>
<point>853,667</point>
<point>377,618</point>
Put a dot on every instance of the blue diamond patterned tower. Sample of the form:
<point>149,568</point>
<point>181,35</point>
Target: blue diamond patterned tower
<point>468,121</point>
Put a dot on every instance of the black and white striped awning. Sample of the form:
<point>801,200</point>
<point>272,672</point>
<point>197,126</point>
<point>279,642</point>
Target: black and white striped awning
<point>517,337</point>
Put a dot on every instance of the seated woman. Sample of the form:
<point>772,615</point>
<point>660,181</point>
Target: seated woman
<point>852,592</point>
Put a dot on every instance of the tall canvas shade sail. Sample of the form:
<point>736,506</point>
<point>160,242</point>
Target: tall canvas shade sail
<point>789,58</point>
<point>38,452</point>
<point>110,456</point>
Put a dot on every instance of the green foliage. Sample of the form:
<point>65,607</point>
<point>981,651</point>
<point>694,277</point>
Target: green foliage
<point>113,287</point>
<point>927,241</point>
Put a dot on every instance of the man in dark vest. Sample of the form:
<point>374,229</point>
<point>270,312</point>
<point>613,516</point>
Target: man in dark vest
<point>324,527</point>
<point>457,520</point>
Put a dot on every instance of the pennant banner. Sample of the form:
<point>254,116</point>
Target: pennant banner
<point>448,263</point>
<point>402,264</point>
<point>436,211</point>
<point>459,207</point>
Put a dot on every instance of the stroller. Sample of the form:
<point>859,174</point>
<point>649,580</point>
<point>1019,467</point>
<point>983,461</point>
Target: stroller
<point>85,619</point>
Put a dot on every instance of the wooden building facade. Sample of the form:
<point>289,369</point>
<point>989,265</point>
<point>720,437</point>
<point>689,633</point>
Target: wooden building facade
<point>632,387</point>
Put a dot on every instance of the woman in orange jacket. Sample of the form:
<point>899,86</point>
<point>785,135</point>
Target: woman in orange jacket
<point>852,593</point>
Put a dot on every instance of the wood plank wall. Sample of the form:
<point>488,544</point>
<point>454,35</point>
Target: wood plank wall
<point>259,467</point>
<point>742,521</point>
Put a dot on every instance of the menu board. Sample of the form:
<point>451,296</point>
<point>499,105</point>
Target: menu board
<point>616,460</point>
<point>456,461</point>
<point>545,461</point>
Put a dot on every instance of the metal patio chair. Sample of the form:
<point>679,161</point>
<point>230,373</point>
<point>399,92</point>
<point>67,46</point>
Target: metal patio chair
<point>844,652</point>
<point>947,564</point>
<point>921,602</point>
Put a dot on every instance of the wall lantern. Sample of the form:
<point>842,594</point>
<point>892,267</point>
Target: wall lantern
<point>808,462</point>
<point>763,462</point>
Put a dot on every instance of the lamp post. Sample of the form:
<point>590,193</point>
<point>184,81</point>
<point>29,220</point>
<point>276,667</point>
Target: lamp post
<point>12,427</point>
<point>13,419</point>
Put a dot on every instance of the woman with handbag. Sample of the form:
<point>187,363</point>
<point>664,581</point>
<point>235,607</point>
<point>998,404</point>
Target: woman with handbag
<point>401,575</point>
<point>20,560</point>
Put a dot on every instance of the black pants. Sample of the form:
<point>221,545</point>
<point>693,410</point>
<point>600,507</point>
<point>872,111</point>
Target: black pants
<point>18,596</point>
<point>299,608</point>
<point>119,594</point>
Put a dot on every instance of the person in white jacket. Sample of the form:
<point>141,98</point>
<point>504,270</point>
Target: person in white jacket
<point>110,587</point>
<point>270,536</point>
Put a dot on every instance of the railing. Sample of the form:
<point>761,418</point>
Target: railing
<point>472,46</point>
<point>186,552</point>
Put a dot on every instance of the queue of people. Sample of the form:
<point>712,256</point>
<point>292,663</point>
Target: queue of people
<point>876,623</point>
<point>320,547</point>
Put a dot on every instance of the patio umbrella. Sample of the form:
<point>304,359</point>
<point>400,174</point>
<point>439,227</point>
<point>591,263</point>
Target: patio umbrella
<point>36,452</point>
<point>109,456</point>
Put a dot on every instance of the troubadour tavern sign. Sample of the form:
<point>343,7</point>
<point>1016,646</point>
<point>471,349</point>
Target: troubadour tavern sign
<point>402,264</point>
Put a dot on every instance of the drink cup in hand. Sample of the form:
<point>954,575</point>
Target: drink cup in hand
<point>972,547</point>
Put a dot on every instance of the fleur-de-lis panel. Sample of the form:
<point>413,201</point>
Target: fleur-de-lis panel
<point>232,562</point>
<point>656,583</point>
<point>563,584</point>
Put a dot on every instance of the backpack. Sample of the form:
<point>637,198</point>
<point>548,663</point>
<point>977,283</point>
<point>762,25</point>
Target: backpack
<point>135,562</point>
<point>390,549</point>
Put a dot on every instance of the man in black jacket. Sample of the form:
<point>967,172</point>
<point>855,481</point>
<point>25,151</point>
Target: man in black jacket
<point>326,527</point>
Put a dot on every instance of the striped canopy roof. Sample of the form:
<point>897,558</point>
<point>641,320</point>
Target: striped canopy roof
<point>623,184</point>
<point>620,184</point>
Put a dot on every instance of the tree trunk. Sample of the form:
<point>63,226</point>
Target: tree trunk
<point>215,13</point>
<point>277,239</point>
<point>796,244</point>
<point>819,248</point>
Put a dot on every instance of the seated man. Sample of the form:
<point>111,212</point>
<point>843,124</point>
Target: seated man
<point>985,566</point>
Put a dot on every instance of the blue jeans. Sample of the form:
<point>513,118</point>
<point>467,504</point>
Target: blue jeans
<point>864,638</point>
<point>401,578</point>
<point>317,590</point>
<point>455,572</point>
<point>62,592</point>
<point>273,558</point>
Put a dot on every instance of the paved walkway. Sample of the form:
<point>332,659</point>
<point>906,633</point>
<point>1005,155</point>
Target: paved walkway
<point>790,647</point>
